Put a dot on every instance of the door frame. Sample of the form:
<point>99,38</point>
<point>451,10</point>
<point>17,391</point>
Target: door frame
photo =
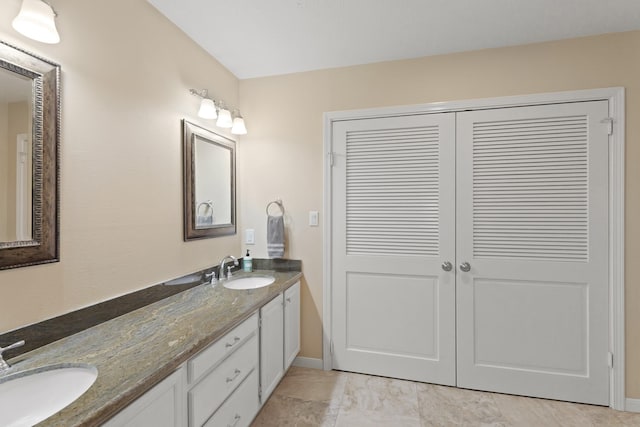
<point>616,98</point>
<point>22,166</point>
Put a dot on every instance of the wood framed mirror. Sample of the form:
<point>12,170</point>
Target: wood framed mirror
<point>209,183</point>
<point>29,158</point>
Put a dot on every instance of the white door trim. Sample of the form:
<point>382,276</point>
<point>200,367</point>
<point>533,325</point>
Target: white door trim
<point>616,98</point>
<point>22,192</point>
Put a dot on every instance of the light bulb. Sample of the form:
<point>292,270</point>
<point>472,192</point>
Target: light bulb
<point>224,118</point>
<point>36,20</point>
<point>238,127</point>
<point>207,109</point>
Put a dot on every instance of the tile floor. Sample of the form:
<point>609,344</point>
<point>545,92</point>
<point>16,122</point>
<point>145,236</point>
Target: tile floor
<point>311,397</point>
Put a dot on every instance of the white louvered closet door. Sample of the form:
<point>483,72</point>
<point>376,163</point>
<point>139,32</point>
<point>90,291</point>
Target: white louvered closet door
<point>393,213</point>
<point>532,221</point>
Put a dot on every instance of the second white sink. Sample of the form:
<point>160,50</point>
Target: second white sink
<point>28,397</point>
<point>252,282</point>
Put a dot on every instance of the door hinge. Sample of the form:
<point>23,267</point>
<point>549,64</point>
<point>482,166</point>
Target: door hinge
<point>330,158</point>
<point>331,347</point>
<point>609,122</point>
<point>610,359</point>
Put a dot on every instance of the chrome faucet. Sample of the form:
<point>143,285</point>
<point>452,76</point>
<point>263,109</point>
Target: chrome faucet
<point>221,274</point>
<point>4,366</point>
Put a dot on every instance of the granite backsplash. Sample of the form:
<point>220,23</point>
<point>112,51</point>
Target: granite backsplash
<point>50,330</point>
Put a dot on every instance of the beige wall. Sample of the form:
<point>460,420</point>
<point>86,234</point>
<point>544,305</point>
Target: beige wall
<point>282,155</point>
<point>126,71</point>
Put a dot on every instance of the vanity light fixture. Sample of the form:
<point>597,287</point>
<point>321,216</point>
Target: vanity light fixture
<point>211,109</point>
<point>36,20</point>
<point>238,127</point>
<point>224,118</point>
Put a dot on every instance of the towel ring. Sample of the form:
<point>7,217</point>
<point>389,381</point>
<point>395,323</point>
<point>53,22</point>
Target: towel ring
<point>278,203</point>
<point>208,203</point>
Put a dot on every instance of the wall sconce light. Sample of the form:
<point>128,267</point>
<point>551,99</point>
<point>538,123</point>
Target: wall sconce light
<point>36,20</point>
<point>211,109</point>
<point>224,117</point>
<point>207,106</point>
<point>238,127</point>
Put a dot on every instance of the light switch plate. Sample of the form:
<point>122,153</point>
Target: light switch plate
<point>250,236</point>
<point>313,218</point>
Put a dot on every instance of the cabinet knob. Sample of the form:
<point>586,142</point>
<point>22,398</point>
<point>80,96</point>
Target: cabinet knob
<point>465,266</point>
<point>447,266</point>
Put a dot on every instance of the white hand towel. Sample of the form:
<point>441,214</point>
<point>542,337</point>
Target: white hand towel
<point>203,221</point>
<point>275,236</point>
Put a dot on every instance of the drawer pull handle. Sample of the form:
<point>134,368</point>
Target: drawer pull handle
<point>235,341</point>
<point>235,421</point>
<point>236,373</point>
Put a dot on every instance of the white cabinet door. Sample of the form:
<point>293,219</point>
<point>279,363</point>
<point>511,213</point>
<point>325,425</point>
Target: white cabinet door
<point>532,225</point>
<point>162,406</point>
<point>271,346</point>
<point>393,213</point>
<point>291,324</point>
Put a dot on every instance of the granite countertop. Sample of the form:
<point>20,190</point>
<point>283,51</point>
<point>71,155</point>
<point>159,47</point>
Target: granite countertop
<point>137,350</point>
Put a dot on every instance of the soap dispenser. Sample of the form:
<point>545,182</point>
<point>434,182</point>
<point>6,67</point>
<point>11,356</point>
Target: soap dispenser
<point>247,263</point>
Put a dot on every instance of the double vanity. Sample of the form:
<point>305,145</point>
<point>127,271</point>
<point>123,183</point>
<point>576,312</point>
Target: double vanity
<point>191,355</point>
<point>175,354</point>
<point>209,355</point>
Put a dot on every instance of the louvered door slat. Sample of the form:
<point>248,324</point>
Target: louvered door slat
<point>508,155</point>
<point>392,191</point>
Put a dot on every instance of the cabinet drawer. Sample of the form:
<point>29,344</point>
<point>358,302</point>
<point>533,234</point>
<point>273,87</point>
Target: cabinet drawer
<point>241,407</point>
<point>217,351</point>
<point>206,396</point>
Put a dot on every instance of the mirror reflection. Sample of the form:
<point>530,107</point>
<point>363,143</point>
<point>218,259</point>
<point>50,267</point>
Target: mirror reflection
<point>16,152</point>
<point>212,162</point>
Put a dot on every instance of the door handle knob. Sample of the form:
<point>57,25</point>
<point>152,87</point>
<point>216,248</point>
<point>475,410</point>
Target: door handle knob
<point>447,266</point>
<point>465,266</point>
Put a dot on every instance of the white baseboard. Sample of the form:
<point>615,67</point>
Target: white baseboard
<point>632,405</point>
<point>307,362</point>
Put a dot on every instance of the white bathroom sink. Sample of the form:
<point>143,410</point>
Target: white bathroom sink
<point>252,282</point>
<point>28,397</point>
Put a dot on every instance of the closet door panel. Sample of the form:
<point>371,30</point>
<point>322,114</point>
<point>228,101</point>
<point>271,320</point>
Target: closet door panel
<point>393,223</point>
<point>532,221</point>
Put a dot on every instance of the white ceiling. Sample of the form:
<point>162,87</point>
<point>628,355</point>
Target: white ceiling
<point>255,38</point>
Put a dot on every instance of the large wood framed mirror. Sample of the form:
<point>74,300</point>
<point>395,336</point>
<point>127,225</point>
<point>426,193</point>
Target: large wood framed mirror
<point>29,151</point>
<point>209,183</point>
